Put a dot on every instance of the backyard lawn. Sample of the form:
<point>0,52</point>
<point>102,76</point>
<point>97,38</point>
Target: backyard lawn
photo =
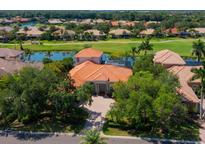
<point>114,47</point>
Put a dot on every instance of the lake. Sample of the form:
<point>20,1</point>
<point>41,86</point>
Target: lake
<point>55,55</point>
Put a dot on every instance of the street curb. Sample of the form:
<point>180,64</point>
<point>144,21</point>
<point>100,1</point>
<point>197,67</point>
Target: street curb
<point>152,139</point>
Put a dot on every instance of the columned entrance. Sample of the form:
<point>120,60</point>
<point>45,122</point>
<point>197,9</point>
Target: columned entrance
<point>102,87</point>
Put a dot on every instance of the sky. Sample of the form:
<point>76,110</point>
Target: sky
<point>102,4</point>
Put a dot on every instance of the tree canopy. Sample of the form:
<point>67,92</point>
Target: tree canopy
<point>149,99</point>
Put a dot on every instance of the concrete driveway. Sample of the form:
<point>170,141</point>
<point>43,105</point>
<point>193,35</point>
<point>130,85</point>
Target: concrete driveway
<point>98,110</point>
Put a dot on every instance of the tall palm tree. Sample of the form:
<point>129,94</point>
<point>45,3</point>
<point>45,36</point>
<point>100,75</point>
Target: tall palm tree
<point>198,49</point>
<point>145,45</point>
<point>92,137</point>
<point>134,51</point>
<point>200,74</point>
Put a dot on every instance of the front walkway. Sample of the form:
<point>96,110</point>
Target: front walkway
<point>98,110</point>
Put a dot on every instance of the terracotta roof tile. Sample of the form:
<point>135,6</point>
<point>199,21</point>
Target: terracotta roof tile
<point>89,71</point>
<point>167,57</point>
<point>89,52</point>
<point>185,75</point>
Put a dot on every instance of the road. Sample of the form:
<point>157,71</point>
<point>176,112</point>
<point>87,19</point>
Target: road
<point>21,138</point>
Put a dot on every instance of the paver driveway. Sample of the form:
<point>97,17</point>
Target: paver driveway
<point>100,106</point>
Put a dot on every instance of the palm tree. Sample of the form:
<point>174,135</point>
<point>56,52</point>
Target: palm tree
<point>28,54</point>
<point>198,49</point>
<point>92,137</point>
<point>146,46</point>
<point>200,74</point>
<point>134,51</point>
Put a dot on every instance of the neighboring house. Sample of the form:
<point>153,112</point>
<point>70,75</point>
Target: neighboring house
<point>6,29</point>
<point>31,32</point>
<point>6,53</point>
<point>168,58</point>
<point>120,33</point>
<point>102,76</point>
<point>176,65</point>
<point>90,54</point>
<point>186,89</point>
<point>12,66</point>
<point>147,32</point>
<point>95,33</point>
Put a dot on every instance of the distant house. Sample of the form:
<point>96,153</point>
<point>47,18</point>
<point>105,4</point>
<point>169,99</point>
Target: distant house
<point>31,32</point>
<point>20,19</point>
<point>199,31</point>
<point>6,28</point>
<point>114,23</point>
<point>172,31</point>
<point>54,21</point>
<point>95,33</point>
<point>168,58</point>
<point>147,32</point>
<point>62,32</point>
<point>90,54</point>
<point>102,76</point>
<point>120,33</point>
<point>6,53</point>
<point>87,21</point>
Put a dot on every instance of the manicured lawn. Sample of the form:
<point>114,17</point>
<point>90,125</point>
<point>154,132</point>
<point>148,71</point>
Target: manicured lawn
<point>189,131</point>
<point>114,47</point>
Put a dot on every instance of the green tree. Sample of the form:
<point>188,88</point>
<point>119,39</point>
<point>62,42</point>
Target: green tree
<point>200,74</point>
<point>198,49</point>
<point>146,45</point>
<point>92,137</point>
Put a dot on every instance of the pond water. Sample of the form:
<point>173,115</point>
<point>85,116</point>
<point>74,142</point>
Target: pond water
<point>28,24</point>
<point>55,55</point>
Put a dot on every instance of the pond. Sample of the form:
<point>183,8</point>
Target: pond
<point>28,24</point>
<point>54,55</point>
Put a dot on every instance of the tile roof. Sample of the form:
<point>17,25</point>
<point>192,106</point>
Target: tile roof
<point>12,66</point>
<point>167,57</point>
<point>200,30</point>
<point>120,32</point>
<point>184,75</point>
<point>89,71</point>
<point>89,52</point>
<point>5,52</point>
<point>95,32</point>
<point>147,32</point>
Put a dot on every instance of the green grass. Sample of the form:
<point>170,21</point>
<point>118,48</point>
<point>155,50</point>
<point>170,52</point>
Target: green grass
<point>45,123</point>
<point>115,47</point>
<point>188,131</point>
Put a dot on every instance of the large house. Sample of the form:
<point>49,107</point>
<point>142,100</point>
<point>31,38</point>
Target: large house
<point>90,54</point>
<point>102,76</point>
<point>177,66</point>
